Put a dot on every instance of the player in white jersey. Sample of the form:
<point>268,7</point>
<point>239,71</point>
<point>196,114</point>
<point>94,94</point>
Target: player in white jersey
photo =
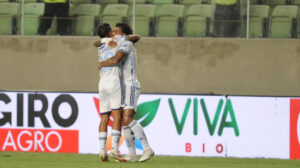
<point>110,90</point>
<point>127,53</point>
<point>110,93</point>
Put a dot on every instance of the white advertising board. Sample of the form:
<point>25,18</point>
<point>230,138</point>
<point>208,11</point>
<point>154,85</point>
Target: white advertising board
<point>182,125</point>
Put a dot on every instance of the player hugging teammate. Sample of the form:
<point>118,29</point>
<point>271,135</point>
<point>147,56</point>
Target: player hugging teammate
<point>119,90</point>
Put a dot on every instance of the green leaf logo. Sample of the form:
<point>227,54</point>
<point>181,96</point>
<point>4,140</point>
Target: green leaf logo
<point>147,111</point>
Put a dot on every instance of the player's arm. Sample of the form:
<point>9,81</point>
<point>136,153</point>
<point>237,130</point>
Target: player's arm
<point>133,38</point>
<point>113,61</point>
<point>112,44</point>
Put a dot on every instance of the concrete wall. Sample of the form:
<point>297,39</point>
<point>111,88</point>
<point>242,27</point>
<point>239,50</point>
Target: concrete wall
<point>165,65</point>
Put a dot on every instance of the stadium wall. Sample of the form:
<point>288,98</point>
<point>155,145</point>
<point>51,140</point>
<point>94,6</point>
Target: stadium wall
<point>268,67</point>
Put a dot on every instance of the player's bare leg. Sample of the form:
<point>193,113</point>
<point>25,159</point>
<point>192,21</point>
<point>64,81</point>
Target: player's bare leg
<point>116,133</point>
<point>103,136</point>
<point>129,137</point>
<point>137,129</point>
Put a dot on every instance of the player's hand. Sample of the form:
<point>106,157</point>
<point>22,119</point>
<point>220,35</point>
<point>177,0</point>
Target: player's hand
<point>97,43</point>
<point>112,44</point>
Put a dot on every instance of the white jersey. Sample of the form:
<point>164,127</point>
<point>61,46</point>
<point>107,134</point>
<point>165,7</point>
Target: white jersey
<point>105,52</point>
<point>110,84</point>
<point>130,80</point>
<point>130,64</point>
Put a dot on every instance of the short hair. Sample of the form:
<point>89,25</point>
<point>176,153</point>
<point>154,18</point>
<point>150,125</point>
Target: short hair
<point>125,28</point>
<point>103,30</point>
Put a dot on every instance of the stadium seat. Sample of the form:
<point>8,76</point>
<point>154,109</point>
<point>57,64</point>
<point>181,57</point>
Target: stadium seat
<point>79,2</point>
<point>74,4</point>
<point>85,19</point>
<point>27,1</point>
<point>192,2</point>
<point>283,20</point>
<point>144,19</point>
<point>258,16</point>
<point>32,14</point>
<point>20,1</point>
<point>104,3</point>
<point>30,1</point>
<point>53,29</point>
<point>129,2</point>
<point>8,18</point>
<point>169,19</point>
<point>273,3</point>
<point>160,3</point>
<point>188,3</point>
<point>253,2</point>
<point>258,2</point>
<point>197,20</point>
<point>208,2</point>
<point>298,23</point>
<point>115,13</point>
<point>296,2</point>
<point>163,2</point>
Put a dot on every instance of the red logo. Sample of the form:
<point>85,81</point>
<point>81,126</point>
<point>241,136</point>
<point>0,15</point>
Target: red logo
<point>39,140</point>
<point>295,129</point>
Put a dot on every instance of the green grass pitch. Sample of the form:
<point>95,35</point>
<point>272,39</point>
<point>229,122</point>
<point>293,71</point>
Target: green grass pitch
<point>52,160</point>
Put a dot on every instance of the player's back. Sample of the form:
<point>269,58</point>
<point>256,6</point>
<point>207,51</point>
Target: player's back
<point>105,52</point>
<point>110,77</point>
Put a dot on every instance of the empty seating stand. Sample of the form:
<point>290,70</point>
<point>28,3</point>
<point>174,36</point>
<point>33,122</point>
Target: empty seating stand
<point>276,2</point>
<point>188,3</point>
<point>170,20</point>
<point>32,17</point>
<point>86,19</point>
<point>8,18</point>
<point>104,3</point>
<point>79,2</point>
<point>144,24</point>
<point>74,4</point>
<point>114,13</point>
<point>296,2</point>
<point>129,2</point>
<point>283,21</point>
<point>160,3</point>
<point>258,20</point>
<point>197,20</point>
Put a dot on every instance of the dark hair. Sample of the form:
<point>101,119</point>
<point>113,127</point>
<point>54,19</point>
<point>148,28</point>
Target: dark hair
<point>103,30</point>
<point>125,28</point>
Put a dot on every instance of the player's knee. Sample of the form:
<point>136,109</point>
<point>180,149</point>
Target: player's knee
<point>117,118</point>
<point>104,120</point>
<point>127,120</point>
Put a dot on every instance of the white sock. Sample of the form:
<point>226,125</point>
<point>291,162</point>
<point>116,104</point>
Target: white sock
<point>129,139</point>
<point>139,133</point>
<point>116,135</point>
<point>102,139</point>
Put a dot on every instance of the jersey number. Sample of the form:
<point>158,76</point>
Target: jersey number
<point>106,57</point>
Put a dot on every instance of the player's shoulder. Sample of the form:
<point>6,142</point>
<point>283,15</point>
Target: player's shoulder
<point>106,40</point>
